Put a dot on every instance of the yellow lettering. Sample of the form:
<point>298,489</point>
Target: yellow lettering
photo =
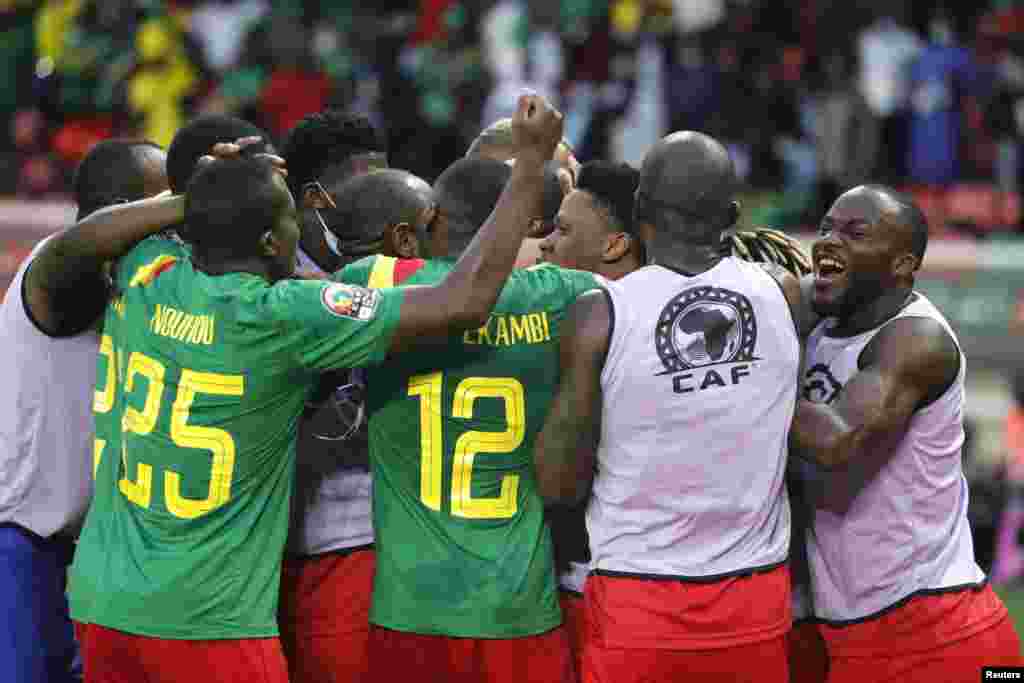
<point>502,332</point>
<point>185,324</point>
<point>520,329</point>
<point>170,322</point>
<point>466,339</point>
<point>485,333</point>
<point>536,326</point>
<point>547,330</point>
<point>154,323</point>
<point>198,330</point>
<point>208,332</point>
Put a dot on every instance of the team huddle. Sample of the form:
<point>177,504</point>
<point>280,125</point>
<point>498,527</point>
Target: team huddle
<point>537,421</point>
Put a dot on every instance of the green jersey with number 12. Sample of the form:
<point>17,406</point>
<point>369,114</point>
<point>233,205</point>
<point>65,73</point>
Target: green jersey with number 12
<point>201,380</point>
<point>462,546</point>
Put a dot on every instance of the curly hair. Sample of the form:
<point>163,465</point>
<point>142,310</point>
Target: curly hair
<point>325,139</point>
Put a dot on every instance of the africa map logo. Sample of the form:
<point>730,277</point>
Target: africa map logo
<point>705,326</point>
<point>821,386</point>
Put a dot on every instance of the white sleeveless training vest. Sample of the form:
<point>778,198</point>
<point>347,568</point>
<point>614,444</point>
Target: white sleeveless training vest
<point>331,507</point>
<point>700,386</point>
<point>907,530</point>
<point>46,427</point>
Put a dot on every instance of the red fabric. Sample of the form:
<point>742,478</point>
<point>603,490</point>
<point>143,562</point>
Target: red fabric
<point>290,94</point>
<point>399,656</point>
<point>74,140</point>
<point>676,615</point>
<point>111,656</point>
<point>763,662</point>
<point>430,24</point>
<point>406,267</point>
<point>924,624</point>
<point>808,658</point>
<point>324,615</point>
<point>997,645</point>
<point>574,621</point>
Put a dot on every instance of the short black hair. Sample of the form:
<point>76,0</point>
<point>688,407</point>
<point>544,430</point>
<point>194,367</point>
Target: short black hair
<point>110,173</point>
<point>467,192</point>
<point>552,198</point>
<point>612,187</point>
<point>368,204</point>
<point>230,204</point>
<point>326,139</point>
<point>198,137</point>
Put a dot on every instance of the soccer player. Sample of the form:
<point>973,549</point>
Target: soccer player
<point>594,231</point>
<point>47,328</point>
<point>465,586</point>
<point>895,585</point>
<point>327,576</point>
<point>323,150</point>
<point>688,519</point>
<point>176,573</point>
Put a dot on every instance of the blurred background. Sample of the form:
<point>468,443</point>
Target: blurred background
<point>812,97</point>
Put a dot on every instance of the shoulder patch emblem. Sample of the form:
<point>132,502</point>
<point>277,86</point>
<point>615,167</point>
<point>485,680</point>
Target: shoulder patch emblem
<point>349,301</point>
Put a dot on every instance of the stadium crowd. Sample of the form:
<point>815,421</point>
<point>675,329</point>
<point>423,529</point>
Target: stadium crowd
<point>324,386</point>
<point>810,95</point>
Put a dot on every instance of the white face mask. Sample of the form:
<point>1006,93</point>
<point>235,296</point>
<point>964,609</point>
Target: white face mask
<point>329,237</point>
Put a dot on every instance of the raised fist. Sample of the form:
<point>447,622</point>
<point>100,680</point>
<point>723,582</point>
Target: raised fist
<point>536,127</point>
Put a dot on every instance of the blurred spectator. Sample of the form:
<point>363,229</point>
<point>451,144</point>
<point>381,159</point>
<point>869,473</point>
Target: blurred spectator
<point>846,133</point>
<point>1008,563</point>
<point>163,80</point>
<point>941,78</point>
<point>886,51</point>
<point>220,26</point>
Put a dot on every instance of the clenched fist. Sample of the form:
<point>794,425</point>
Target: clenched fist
<point>536,127</point>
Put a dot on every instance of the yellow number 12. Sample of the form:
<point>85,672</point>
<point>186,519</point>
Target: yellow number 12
<point>428,389</point>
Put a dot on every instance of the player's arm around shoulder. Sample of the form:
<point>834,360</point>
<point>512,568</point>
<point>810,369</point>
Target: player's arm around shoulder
<point>911,362</point>
<point>566,448</point>
<point>66,278</point>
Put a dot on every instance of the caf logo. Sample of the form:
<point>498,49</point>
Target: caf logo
<point>705,326</point>
<point>820,385</point>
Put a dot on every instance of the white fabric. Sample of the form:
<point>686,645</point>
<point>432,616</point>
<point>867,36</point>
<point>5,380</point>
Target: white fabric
<point>46,423</point>
<point>907,529</point>
<point>690,480</point>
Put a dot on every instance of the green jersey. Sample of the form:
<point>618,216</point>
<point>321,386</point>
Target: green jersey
<point>201,380</point>
<point>462,545</point>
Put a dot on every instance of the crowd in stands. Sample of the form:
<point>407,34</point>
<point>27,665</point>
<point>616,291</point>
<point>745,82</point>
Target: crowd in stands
<point>812,95</point>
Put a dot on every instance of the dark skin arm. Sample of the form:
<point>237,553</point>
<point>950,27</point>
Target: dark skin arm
<point>66,276</point>
<point>466,296</point>
<point>566,449</point>
<point>910,363</point>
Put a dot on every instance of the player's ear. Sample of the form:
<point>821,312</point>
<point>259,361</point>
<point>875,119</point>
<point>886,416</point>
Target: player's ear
<point>616,246</point>
<point>269,246</point>
<point>404,242</point>
<point>905,265</point>
<point>313,197</point>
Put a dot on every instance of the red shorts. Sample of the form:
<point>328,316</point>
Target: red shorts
<point>324,615</point>
<point>946,637</point>
<point>763,662</point>
<point>808,658</point>
<point>399,656</point>
<point>668,614</point>
<point>641,629</point>
<point>113,656</point>
<point>574,622</point>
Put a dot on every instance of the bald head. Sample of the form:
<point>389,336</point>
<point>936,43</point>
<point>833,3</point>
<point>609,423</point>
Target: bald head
<point>902,214</point>
<point>369,204</point>
<point>690,171</point>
